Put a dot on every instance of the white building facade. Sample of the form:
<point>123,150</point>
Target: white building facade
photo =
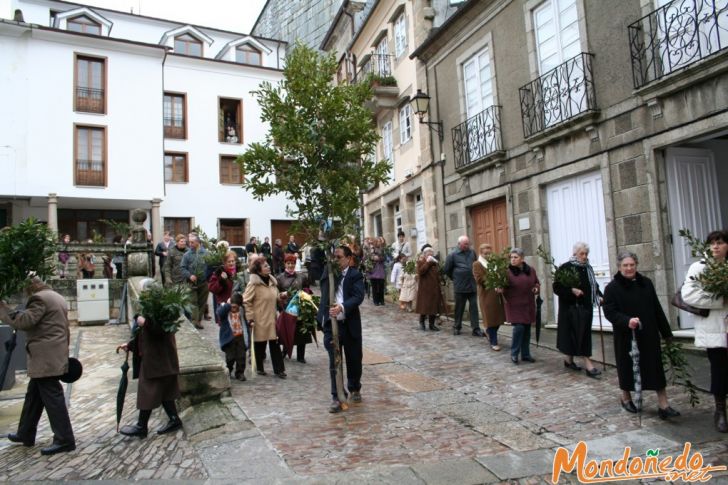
<point>111,111</point>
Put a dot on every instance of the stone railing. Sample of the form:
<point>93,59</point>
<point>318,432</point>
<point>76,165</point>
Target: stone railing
<point>99,251</point>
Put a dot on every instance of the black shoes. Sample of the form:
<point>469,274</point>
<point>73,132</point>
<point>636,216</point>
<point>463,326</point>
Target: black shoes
<point>422,326</point>
<point>629,407</point>
<point>301,360</point>
<point>434,328</point>
<point>456,331</point>
<point>134,430</point>
<point>593,372</point>
<point>173,425</point>
<point>514,360</point>
<point>528,359</point>
<point>261,372</point>
<point>478,333</point>
<point>572,365</point>
<point>281,375</point>
<point>58,448</point>
<point>241,377</point>
<point>668,412</point>
<point>355,396</point>
<point>335,407</point>
<point>12,437</point>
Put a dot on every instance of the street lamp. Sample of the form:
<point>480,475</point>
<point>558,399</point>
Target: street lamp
<point>421,104</point>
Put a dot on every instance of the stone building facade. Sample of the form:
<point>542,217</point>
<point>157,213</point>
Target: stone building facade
<point>570,120</point>
<point>291,20</point>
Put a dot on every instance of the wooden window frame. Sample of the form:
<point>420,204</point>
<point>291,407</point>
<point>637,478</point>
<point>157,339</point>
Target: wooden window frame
<point>187,43</point>
<point>220,170</point>
<point>84,25</point>
<point>247,48</point>
<point>221,135</point>
<point>104,89</point>
<point>173,231</point>
<point>168,129</point>
<point>105,151</point>
<point>187,167</point>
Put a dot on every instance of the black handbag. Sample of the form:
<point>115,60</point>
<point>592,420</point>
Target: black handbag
<point>677,301</point>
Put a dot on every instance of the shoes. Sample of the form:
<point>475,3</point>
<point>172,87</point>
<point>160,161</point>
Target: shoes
<point>514,360</point>
<point>593,372</point>
<point>173,425</point>
<point>528,359</point>
<point>422,326</point>
<point>434,328</point>
<point>134,430</point>
<point>629,407</point>
<point>495,347</point>
<point>355,396</point>
<point>572,365</point>
<point>281,375</point>
<point>58,448</point>
<point>478,333</point>
<point>199,326</point>
<point>261,372</point>
<point>668,412</point>
<point>335,407</point>
<point>456,331</point>
<point>301,360</point>
<point>241,377</point>
<point>12,437</point>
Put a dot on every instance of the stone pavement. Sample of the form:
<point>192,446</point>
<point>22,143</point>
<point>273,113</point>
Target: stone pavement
<point>436,408</point>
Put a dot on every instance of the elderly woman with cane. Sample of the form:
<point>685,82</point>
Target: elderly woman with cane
<point>576,302</point>
<point>631,304</point>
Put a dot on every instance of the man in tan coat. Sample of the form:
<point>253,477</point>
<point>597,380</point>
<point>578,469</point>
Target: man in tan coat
<point>45,321</point>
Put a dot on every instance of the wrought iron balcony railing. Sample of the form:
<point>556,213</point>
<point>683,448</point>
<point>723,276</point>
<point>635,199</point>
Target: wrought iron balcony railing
<point>90,100</point>
<point>378,65</point>
<point>477,137</point>
<point>90,172</point>
<point>559,95</point>
<point>675,36</point>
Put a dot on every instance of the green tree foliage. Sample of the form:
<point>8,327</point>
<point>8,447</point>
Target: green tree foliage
<point>317,151</point>
<point>163,307</point>
<point>24,248</point>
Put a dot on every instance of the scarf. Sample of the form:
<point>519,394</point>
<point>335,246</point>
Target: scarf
<point>592,279</point>
<point>526,269</point>
<point>265,279</point>
<point>483,261</point>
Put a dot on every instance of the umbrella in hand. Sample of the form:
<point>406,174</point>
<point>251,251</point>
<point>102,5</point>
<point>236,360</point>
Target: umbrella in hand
<point>539,302</point>
<point>635,354</point>
<point>9,347</point>
<point>121,393</point>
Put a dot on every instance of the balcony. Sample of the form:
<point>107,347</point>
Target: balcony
<point>562,94</point>
<point>90,173</point>
<point>90,100</point>
<point>377,70</point>
<point>478,139</point>
<point>676,36</point>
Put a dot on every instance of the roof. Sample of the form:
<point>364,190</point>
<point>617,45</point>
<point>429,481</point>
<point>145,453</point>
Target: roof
<point>436,33</point>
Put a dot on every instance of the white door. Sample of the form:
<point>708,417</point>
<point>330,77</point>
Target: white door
<point>692,191</point>
<point>420,223</point>
<point>556,24</point>
<point>576,213</point>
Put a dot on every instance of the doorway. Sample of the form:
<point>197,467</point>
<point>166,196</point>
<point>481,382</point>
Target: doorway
<point>490,225</point>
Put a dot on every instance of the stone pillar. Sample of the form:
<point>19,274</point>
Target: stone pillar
<point>53,212</point>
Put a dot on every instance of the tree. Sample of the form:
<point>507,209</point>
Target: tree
<point>317,152</point>
<point>26,249</point>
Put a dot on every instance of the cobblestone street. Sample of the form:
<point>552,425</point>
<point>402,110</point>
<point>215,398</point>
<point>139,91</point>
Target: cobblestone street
<point>436,408</point>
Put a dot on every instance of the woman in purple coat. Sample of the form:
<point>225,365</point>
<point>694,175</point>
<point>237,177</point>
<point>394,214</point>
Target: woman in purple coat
<point>520,304</point>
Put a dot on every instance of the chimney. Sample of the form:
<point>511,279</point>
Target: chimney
<point>18,17</point>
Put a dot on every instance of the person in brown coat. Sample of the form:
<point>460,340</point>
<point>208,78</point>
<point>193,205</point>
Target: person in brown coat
<point>491,303</point>
<point>523,286</point>
<point>157,367</point>
<point>260,299</point>
<point>45,321</point>
<point>430,302</point>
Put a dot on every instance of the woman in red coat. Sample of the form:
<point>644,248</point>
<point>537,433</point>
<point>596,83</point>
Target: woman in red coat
<point>222,280</point>
<point>520,305</point>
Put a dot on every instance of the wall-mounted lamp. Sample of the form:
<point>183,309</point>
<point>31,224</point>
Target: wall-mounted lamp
<point>421,104</point>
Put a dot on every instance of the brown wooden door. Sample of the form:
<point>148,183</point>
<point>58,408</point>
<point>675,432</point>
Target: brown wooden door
<point>233,231</point>
<point>490,224</point>
<point>281,230</point>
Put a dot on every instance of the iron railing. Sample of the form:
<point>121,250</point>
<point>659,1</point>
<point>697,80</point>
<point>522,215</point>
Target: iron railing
<point>477,137</point>
<point>90,172</point>
<point>562,93</point>
<point>675,36</point>
<point>378,65</point>
<point>90,100</point>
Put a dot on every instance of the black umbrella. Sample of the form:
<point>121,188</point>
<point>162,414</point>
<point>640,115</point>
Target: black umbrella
<point>9,347</point>
<point>121,393</point>
<point>539,302</point>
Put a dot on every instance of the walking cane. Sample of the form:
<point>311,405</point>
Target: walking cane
<point>601,336</point>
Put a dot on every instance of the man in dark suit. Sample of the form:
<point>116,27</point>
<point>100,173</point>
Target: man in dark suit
<point>345,311</point>
<point>45,321</point>
<point>161,252</point>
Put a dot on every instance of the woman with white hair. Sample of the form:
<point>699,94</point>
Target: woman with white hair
<point>576,303</point>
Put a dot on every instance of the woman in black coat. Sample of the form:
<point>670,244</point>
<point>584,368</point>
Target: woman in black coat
<point>291,281</point>
<point>630,303</point>
<point>573,335</point>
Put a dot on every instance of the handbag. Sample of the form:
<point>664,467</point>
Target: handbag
<point>677,301</point>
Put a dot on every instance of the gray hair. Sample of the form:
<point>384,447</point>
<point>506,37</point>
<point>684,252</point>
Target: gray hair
<point>578,246</point>
<point>428,250</point>
<point>463,238</point>
<point>622,255</point>
<point>517,251</point>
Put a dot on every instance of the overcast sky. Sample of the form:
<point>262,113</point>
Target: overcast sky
<point>235,15</point>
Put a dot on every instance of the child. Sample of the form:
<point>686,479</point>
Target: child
<point>397,270</point>
<point>232,339</point>
<point>407,288</point>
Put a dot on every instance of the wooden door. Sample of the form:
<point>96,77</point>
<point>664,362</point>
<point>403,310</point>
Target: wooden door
<point>694,204</point>
<point>281,230</point>
<point>233,231</point>
<point>490,225</point>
